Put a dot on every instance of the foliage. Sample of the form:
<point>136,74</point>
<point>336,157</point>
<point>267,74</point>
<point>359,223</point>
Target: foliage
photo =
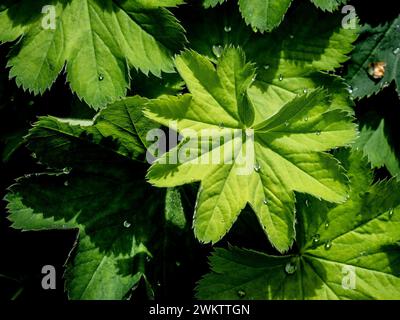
<point>314,214</point>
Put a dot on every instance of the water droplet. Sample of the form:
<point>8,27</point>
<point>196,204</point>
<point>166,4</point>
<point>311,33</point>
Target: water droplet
<point>253,79</point>
<point>221,125</point>
<point>350,90</point>
<point>307,203</point>
<point>33,155</point>
<point>217,50</point>
<point>66,170</point>
<point>363,253</point>
<point>241,293</point>
<point>290,267</point>
<point>257,167</point>
<point>306,118</point>
<point>267,66</point>
<point>286,124</point>
<point>291,36</point>
<point>305,90</point>
<point>391,213</point>
<point>255,30</point>
<point>280,77</point>
<point>101,77</point>
<point>127,224</point>
<point>318,132</point>
<point>315,238</point>
<point>66,183</point>
<point>328,245</point>
<point>227,28</point>
<point>326,225</point>
<point>265,201</point>
<point>396,51</point>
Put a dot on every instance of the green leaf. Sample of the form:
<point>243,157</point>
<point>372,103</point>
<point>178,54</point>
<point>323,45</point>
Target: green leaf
<point>376,44</point>
<point>288,153</point>
<point>348,251</point>
<point>120,126</point>
<point>379,132</point>
<point>264,15</point>
<point>99,204</point>
<point>212,3</point>
<point>328,5</point>
<point>97,40</point>
<point>98,190</point>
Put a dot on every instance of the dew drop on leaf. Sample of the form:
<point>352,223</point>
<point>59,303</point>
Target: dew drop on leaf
<point>307,204</point>
<point>267,66</point>
<point>318,132</point>
<point>286,124</point>
<point>391,212</point>
<point>127,224</point>
<point>326,225</point>
<point>66,183</point>
<point>217,50</point>
<point>221,125</point>
<point>265,201</point>
<point>101,77</point>
<point>315,238</point>
<point>290,267</point>
<point>328,245</point>
<point>291,36</point>
<point>241,293</point>
<point>227,28</point>
<point>257,167</point>
<point>305,118</point>
<point>350,90</point>
<point>305,90</point>
<point>280,77</point>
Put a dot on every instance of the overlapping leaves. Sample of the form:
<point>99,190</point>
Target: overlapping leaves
<point>349,251</point>
<point>95,187</point>
<point>289,148</point>
<point>266,15</point>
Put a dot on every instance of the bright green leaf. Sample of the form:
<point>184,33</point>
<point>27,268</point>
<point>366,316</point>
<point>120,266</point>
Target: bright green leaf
<point>289,147</point>
<point>97,40</point>
<point>349,251</point>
